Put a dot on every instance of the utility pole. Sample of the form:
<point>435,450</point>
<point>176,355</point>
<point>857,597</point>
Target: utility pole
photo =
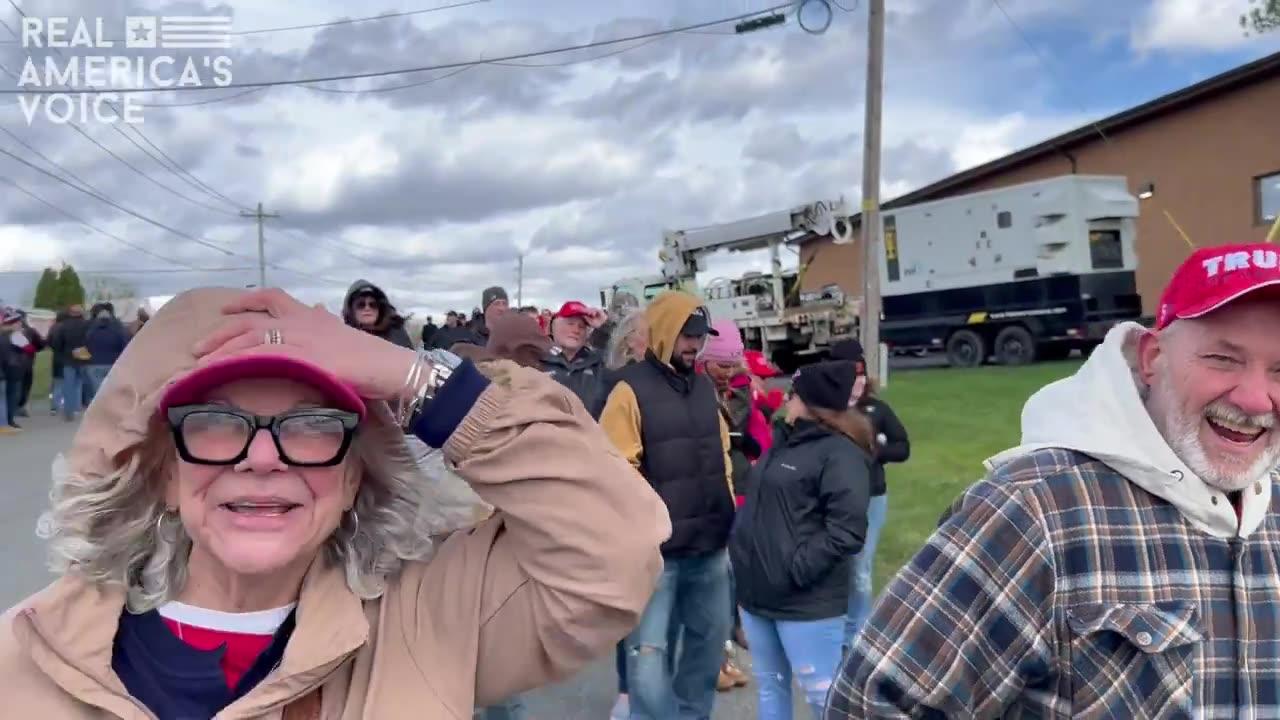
<point>262,242</point>
<point>520,280</point>
<point>870,319</point>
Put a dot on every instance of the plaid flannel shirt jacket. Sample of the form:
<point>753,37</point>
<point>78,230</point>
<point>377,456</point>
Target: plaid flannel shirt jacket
<point>1059,588</point>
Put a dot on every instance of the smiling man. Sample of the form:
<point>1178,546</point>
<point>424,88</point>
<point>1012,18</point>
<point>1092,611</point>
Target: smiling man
<point>1123,561</point>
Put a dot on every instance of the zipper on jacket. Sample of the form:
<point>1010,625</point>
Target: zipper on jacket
<point>1237,549</point>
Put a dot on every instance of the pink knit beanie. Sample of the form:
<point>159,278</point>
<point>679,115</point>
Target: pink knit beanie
<point>725,347</point>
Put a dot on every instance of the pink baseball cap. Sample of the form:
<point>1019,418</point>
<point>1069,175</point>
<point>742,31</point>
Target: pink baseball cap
<point>195,386</point>
<point>1217,276</point>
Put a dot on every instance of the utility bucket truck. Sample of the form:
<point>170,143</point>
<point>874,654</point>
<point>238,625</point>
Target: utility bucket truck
<point>768,307</point>
<point>1019,273</point>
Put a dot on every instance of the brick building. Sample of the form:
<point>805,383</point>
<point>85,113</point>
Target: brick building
<point>1209,154</point>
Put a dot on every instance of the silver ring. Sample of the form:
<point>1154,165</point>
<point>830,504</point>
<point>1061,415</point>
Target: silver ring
<point>274,337</point>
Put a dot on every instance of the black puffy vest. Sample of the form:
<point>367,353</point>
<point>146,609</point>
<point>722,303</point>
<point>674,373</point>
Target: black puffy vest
<point>683,457</point>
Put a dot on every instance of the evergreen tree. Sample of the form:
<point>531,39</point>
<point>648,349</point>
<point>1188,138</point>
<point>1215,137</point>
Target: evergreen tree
<point>70,291</point>
<point>47,290</point>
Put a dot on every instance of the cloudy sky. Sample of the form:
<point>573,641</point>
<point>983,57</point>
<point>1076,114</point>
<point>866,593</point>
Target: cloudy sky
<point>578,160</point>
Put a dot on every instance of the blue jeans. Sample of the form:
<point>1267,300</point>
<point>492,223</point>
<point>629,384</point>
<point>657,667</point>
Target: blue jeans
<point>693,594</point>
<point>510,709</point>
<point>809,650</point>
<point>862,571</point>
<point>97,374</point>
<point>74,379</point>
<point>4,403</point>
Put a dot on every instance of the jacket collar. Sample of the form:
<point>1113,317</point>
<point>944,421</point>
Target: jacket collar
<point>802,431</point>
<point>68,630</point>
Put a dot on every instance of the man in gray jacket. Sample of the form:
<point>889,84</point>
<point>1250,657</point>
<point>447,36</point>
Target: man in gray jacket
<point>571,361</point>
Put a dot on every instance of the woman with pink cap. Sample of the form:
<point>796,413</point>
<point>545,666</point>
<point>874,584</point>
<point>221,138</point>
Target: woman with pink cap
<point>242,530</point>
<point>723,361</point>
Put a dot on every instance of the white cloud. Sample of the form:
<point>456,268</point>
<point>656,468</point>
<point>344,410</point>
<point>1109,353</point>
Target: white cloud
<point>1191,24</point>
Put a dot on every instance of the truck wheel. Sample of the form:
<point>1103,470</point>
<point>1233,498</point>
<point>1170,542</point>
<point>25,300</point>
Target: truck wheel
<point>1015,346</point>
<point>966,348</point>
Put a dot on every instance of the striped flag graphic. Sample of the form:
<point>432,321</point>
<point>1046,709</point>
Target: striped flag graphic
<point>178,31</point>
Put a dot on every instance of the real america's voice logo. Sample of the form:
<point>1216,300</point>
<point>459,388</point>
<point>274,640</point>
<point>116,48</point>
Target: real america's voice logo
<point>78,54</point>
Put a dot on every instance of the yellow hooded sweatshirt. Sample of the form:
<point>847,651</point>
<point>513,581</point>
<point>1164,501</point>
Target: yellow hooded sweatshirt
<point>666,315</point>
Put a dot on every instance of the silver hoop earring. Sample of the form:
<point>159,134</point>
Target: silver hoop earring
<point>171,535</point>
<point>355,521</point>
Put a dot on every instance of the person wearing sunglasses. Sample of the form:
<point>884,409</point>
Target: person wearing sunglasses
<point>367,307</point>
<point>242,529</point>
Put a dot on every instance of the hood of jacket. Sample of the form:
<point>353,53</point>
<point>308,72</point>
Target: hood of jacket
<point>1098,412</point>
<point>514,337</point>
<point>121,417</point>
<point>388,318</point>
<point>666,315</point>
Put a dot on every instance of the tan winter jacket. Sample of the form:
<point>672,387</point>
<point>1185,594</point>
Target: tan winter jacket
<point>558,574</point>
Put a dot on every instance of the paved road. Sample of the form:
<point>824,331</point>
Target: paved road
<point>25,462</point>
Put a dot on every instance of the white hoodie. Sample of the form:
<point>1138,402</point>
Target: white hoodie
<point>1098,412</point>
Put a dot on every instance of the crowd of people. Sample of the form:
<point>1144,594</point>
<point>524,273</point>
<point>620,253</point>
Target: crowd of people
<point>734,460</point>
<point>83,349</point>
<point>634,481</point>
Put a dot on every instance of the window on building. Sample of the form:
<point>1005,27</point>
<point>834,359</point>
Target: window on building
<point>1104,250</point>
<point>1267,189</point>
<point>1004,219</point>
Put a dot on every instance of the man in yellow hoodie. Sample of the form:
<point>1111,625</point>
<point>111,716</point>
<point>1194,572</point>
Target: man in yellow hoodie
<point>665,420</point>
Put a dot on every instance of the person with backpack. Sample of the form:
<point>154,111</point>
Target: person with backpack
<point>804,517</point>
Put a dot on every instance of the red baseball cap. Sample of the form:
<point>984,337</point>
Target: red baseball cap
<point>758,366</point>
<point>573,308</point>
<point>195,386</point>
<point>1216,276</point>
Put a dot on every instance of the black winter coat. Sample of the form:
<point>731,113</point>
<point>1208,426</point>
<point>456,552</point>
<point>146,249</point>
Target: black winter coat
<point>585,375</point>
<point>892,444</point>
<point>804,518</point>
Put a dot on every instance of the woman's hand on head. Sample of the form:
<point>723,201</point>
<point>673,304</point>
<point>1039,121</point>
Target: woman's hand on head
<point>377,369</point>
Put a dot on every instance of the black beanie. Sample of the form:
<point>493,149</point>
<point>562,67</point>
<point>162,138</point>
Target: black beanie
<point>850,350</point>
<point>826,385</point>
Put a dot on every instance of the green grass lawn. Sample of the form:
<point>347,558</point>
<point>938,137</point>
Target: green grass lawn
<point>956,419</point>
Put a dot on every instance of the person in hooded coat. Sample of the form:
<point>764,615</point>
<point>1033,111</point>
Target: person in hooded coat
<point>215,563</point>
<point>1122,561</point>
<point>367,307</point>
<point>665,419</point>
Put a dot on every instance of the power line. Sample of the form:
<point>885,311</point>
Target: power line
<point>405,86</point>
<point>14,184</point>
<point>182,173</point>
<point>121,208</point>
<point>126,163</point>
<point>1044,61</point>
<point>401,71</point>
<point>135,271</point>
<point>344,21</point>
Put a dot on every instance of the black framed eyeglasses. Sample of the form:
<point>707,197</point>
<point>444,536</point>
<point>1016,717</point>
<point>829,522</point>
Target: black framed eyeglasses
<point>221,435</point>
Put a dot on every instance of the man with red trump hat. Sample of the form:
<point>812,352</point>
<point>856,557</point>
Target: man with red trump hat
<point>571,361</point>
<point>1123,561</point>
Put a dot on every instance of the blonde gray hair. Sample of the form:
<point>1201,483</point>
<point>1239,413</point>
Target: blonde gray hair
<point>114,529</point>
<point>619,352</point>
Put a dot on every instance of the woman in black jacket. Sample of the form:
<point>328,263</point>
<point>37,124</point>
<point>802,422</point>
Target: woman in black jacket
<point>804,518</point>
<point>891,445</point>
<point>366,307</point>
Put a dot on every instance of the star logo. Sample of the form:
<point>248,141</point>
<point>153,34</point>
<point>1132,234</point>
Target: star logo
<point>140,32</point>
